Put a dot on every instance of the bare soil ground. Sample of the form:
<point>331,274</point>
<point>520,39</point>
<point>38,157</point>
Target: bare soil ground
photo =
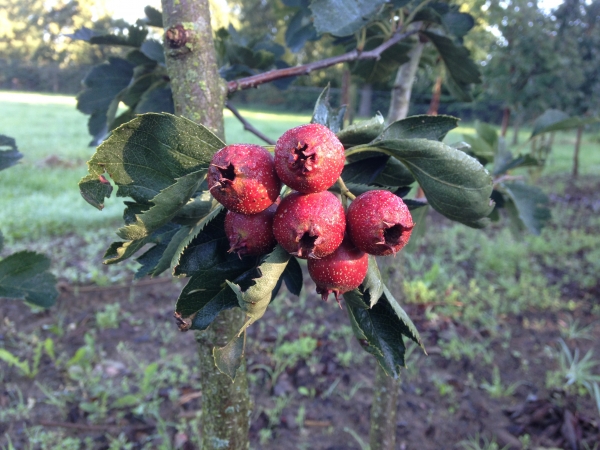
<point>317,402</point>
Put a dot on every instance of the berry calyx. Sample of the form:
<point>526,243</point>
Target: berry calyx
<point>242,178</point>
<point>309,158</point>
<point>379,223</point>
<point>340,272</point>
<point>310,225</point>
<point>250,235</point>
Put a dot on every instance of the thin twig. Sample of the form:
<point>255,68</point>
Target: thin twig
<point>507,178</point>
<point>305,69</point>
<point>247,125</point>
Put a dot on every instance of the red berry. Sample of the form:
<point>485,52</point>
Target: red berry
<point>309,158</point>
<point>379,223</point>
<point>242,178</point>
<point>310,225</point>
<point>250,234</point>
<point>343,270</point>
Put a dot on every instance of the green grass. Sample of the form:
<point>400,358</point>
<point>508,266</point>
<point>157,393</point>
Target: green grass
<point>41,193</point>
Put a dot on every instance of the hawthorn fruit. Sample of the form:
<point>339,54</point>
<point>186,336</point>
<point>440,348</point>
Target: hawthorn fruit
<point>379,223</point>
<point>242,178</point>
<point>309,158</point>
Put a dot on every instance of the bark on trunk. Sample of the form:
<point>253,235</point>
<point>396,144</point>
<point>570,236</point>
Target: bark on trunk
<point>505,121</point>
<point>198,91</point>
<point>199,94</point>
<point>434,105</point>
<point>383,412</point>
<point>366,98</point>
<point>403,84</point>
<point>576,152</point>
<point>516,127</point>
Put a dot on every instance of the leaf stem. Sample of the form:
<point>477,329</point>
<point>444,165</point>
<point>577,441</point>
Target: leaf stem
<point>344,189</point>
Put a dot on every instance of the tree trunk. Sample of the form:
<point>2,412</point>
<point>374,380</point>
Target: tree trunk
<point>366,98</point>
<point>505,121</point>
<point>199,94</point>
<point>576,152</point>
<point>382,435</point>
<point>434,105</point>
<point>516,126</point>
<point>383,412</point>
<point>403,84</point>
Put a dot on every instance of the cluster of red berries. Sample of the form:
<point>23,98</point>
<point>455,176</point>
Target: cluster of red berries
<point>309,223</point>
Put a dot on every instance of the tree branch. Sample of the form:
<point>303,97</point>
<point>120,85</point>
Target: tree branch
<point>247,125</point>
<point>305,69</point>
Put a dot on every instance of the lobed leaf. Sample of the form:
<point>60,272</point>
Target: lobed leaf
<point>372,285</point>
<point>555,120</point>
<point>165,206</point>
<point>343,17</point>
<point>24,275</point>
<point>146,155</point>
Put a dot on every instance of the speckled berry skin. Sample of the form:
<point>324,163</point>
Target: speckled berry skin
<point>379,223</point>
<point>309,158</point>
<point>342,271</point>
<point>310,225</point>
<point>250,235</point>
<point>242,178</point>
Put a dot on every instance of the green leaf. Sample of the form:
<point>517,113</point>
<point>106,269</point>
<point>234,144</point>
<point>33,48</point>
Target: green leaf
<point>504,161</point>
<point>165,206</point>
<point>324,114</point>
<point>200,244</point>
<point>102,85</point>
<point>380,70</point>
<point>292,276</point>
<point>9,154</point>
<point>169,252</point>
<point>531,203</point>
<point>372,285</point>
<point>207,293</point>
<point>461,69</point>
<point>254,300</point>
<point>488,133</point>
<point>478,148</point>
<point>300,30</point>
<point>150,259</point>
<point>380,330</point>
<point>555,120</point>
<point>147,155</point>
<point>157,99</point>
<point>456,185</point>
<point>120,251</point>
<point>343,17</point>
<point>419,215</point>
<point>134,37</point>
<point>228,359</point>
<point>365,171</point>
<point>423,126</point>
<point>458,24</point>
<point>24,275</point>
<point>394,173</point>
<point>154,17</point>
<point>361,132</point>
<point>127,401</point>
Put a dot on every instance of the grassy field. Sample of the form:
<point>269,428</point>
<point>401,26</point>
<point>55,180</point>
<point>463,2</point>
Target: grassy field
<point>507,321</point>
<point>41,193</point>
